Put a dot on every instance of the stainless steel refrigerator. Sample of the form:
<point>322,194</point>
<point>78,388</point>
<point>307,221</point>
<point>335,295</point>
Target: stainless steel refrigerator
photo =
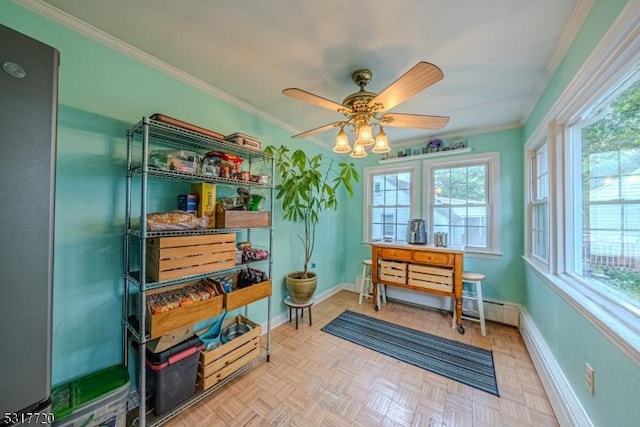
<point>28,121</point>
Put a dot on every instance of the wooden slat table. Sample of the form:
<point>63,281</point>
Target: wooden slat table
<point>423,268</point>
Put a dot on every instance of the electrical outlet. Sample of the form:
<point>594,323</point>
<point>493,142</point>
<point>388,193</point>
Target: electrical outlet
<point>590,378</point>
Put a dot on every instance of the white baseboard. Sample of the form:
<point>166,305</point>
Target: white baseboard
<point>565,403</point>
<point>507,313</point>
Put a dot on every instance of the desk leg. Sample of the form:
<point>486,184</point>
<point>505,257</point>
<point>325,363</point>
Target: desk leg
<point>457,271</point>
<point>374,277</point>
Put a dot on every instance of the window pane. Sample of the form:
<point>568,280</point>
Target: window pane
<point>607,250</point>
<point>631,186</point>
<point>390,196</point>
<point>441,186</point>
<point>476,184</point>
<point>404,181</point>
<point>477,236</point>
<point>376,232</point>
<point>460,207</point>
<point>441,217</point>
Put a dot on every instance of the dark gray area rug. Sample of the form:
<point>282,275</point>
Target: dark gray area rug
<point>461,362</point>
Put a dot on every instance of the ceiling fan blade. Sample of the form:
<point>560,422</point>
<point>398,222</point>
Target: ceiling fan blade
<point>420,77</point>
<point>415,121</point>
<point>316,130</point>
<point>303,95</point>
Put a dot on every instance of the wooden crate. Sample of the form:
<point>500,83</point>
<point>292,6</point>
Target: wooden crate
<point>440,279</point>
<point>393,271</point>
<point>217,364</point>
<point>165,323</point>
<point>239,297</point>
<point>241,219</point>
<point>175,257</point>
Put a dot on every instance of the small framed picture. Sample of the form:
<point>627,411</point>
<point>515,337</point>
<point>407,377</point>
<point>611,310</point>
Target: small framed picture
<point>456,145</point>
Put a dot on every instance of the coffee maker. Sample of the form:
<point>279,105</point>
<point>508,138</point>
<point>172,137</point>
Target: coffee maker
<point>417,232</point>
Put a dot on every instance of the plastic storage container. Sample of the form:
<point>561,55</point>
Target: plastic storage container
<point>172,374</point>
<point>95,400</point>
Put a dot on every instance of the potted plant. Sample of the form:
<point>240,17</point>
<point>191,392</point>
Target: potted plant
<point>308,186</point>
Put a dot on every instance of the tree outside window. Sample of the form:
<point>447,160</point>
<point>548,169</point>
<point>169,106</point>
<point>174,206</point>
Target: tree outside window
<point>609,150</point>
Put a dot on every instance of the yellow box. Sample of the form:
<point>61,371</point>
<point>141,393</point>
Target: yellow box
<point>206,192</point>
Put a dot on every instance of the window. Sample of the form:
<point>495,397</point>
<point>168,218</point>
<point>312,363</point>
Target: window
<point>462,197</point>
<point>390,201</point>
<point>605,172</point>
<point>540,204</point>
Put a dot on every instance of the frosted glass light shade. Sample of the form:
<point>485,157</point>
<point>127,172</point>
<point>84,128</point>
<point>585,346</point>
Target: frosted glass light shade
<point>358,151</point>
<point>365,136</point>
<point>382,143</point>
<point>342,143</point>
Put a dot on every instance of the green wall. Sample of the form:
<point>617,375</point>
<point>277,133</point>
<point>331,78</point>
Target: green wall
<point>102,93</point>
<point>572,339</point>
<point>505,278</point>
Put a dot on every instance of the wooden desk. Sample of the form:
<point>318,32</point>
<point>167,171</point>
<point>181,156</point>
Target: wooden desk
<point>427,268</point>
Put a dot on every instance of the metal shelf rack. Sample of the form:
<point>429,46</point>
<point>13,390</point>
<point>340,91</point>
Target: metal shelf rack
<point>145,134</point>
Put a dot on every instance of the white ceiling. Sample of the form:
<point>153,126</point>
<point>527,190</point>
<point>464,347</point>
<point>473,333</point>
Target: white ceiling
<point>496,55</point>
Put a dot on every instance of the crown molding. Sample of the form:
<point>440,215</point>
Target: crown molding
<point>54,14</point>
<point>574,24</point>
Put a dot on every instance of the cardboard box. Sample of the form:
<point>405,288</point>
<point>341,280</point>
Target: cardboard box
<point>188,202</point>
<point>206,192</point>
<point>181,256</point>
<point>166,341</point>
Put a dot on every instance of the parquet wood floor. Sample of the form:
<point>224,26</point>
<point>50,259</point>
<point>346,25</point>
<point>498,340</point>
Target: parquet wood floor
<point>316,379</point>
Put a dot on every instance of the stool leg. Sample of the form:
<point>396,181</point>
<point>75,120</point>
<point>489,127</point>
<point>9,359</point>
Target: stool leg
<point>362,282</point>
<point>296,318</point>
<point>453,313</point>
<point>290,316</point>
<point>309,315</point>
<point>483,329</point>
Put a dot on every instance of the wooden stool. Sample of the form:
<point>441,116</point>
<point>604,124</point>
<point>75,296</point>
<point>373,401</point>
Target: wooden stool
<point>365,284</point>
<point>299,308</point>
<point>365,281</point>
<point>476,295</point>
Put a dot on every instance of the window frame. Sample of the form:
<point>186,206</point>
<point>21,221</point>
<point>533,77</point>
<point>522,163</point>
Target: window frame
<point>492,160</point>
<point>531,173</point>
<point>617,55</point>
<point>369,173</point>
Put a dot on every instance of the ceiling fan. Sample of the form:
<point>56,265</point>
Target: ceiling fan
<point>364,109</point>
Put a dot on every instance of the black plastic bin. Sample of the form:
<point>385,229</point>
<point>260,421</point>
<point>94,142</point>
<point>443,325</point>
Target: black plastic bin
<point>172,374</point>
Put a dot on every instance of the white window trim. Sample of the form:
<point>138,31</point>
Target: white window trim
<point>617,54</point>
<point>530,149</point>
<point>369,172</point>
<point>492,159</point>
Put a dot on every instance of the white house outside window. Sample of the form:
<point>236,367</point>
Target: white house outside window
<point>462,197</point>
<point>605,169</point>
<point>390,201</point>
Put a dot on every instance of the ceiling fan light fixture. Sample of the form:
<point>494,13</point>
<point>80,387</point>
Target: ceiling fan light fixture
<point>365,135</point>
<point>342,143</point>
<point>363,109</point>
<point>358,151</point>
<point>382,143</point>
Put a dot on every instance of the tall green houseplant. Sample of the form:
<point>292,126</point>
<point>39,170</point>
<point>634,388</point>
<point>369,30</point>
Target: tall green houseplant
<point>309,186</point>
